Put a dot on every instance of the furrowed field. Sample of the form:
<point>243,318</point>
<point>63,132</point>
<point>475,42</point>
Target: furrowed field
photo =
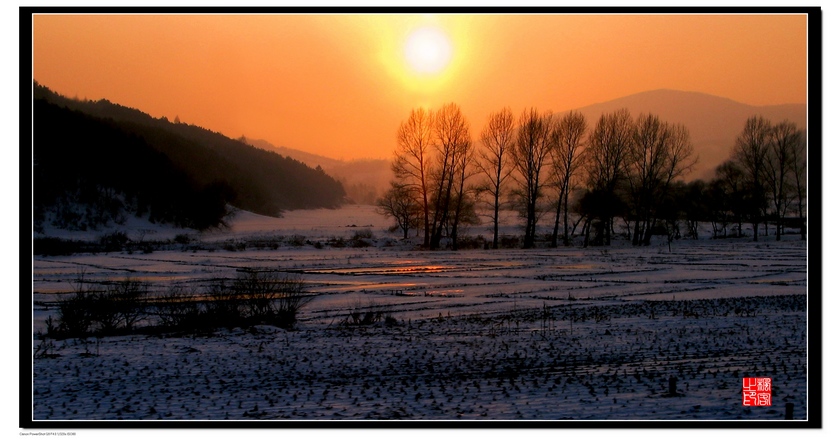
<point>390,332</point>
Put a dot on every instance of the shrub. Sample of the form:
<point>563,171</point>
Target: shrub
<point>363,234</point>
<point>115,241</point>
<point>371,314</point>
<point>75,313</point>
<point>119,307</point>
<point>253,297</point>
<point>337,242</point>
<point>257,289</point>
<point>234,245</point>
<point>221,308</point>
<point>271,297</point>
<point>45,349</point>
<point>178,309</point>
<point>129,299</point>
<point>509,242</point>
<point>471,242</point>
<point>297,241</point>
<point>290,301</point>
<point>360,243</point>
<point>105,314</point>
<point>183,239</point>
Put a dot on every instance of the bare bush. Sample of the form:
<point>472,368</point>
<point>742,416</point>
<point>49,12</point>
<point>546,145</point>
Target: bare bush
<point>253,297</point>
<point>116,308</point>
<point>75,313</point>
<point>221,306</point>
<point>366,315</point>
<point>270,297</point>
<point>122,305</point>
<point>179,308</point>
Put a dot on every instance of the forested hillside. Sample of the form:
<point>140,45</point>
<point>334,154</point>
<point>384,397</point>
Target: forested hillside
<point>98,162</point>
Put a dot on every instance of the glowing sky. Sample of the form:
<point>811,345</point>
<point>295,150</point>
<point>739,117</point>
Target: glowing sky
<point>339,85</point>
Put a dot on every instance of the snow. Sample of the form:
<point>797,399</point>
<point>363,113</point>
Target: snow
<point>320,223</point>
<point>470,341</point>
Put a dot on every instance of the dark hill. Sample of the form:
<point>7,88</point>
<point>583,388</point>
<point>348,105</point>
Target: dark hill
<point>97,142</point>
<point>364,180</point>
<point>88,172</point>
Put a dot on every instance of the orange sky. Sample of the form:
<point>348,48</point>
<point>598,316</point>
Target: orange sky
<point>339,85</point>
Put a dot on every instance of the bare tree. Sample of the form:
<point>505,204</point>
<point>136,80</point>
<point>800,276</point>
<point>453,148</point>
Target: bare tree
<point>464,168</point>
<point>441,177</point>
<point>452,143</point>
<point>606,151</point>
<point>399,203</point>
<point>750,153</point>
<point>778,168</point>
<point>566,160</point>
<point>530,152</point>
<point>799,166</point>
<point>732,183</point>
<point>658,154</point>
<point>412,158</point>
<point>497,140</point>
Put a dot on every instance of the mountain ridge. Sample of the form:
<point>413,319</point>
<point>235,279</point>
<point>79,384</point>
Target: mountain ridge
<point>714,122</point>
<point>364,179</point>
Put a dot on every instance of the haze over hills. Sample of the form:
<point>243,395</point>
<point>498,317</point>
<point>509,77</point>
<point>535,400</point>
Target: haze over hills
<point>364,180</point>
<point>714,122</point>
<point>220,168</point>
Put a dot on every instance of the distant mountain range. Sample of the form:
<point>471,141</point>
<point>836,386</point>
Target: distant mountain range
<point>713,122</point>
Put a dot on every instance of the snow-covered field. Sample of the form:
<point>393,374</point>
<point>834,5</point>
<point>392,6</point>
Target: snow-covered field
<point>545,334</point>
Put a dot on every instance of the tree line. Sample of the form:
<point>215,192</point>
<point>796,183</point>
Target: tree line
<point>763,181</point>
<point>620,176</point>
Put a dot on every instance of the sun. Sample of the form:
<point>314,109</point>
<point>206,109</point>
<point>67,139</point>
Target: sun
<point>427,50</point>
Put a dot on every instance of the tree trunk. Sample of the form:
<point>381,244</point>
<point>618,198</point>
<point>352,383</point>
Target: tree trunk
<point>566,240</point>
<point>636,232</point>
<point>648,231</point>
<point>458,205</point>
<point>530,224</point>
<point>778,227</point>
<point>496,221</point>
<point>586,225</point>
<point>425,219</point>
<point>801,221</point>
<point>556,231</point>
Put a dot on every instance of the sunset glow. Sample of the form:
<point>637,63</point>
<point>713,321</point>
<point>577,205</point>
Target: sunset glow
<point>281,216</point>
<point>427,51</point>
<point>339,85</point>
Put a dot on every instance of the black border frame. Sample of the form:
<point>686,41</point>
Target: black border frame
<point>814,302</point>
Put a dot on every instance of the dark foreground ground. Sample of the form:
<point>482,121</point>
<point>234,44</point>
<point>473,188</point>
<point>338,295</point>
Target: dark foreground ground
<point>584,360</point>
